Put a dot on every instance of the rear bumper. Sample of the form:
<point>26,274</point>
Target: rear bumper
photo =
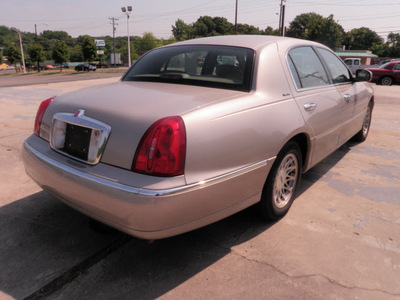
<point>144,213</point>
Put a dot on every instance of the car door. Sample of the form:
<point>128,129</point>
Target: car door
<point>352,105</point>
<point>396,73</point>
<point>318,99</point>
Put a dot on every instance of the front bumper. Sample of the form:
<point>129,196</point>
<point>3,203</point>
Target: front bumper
<point>142,212</point>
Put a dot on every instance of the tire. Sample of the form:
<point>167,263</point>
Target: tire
<point>282,183</point>
<point>386,80</point>
<point>362,135</point>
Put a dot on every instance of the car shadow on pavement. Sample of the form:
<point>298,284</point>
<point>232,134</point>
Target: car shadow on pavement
<point>41,238</point>
<point>319,170</point>
<point>49,249</point>
<point>45,245</point>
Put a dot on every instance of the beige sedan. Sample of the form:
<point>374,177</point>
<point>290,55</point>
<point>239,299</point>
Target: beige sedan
<point>197,131</point>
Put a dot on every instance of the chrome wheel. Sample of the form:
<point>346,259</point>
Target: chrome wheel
<point>280,187</point>
<point>362,135</point>
<point>367,122</point>
<point>285,180</point>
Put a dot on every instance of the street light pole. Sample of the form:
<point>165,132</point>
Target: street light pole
<point>22,49</point>
<point>127,11</point>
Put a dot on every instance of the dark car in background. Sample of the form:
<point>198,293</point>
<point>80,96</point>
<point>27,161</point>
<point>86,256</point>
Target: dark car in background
<point>85,67</point>
<point>387,74</point>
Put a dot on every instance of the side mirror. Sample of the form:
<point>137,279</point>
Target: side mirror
<point>363,75</point>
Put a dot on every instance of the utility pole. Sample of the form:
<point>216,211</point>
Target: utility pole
<point>282,19</point>
<point>114,29</point>
<point>22,49</point>
<point>236,13</point>
<point>36,34</point>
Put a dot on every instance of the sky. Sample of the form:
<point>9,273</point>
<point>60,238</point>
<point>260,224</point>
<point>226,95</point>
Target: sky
<point>92,17</point>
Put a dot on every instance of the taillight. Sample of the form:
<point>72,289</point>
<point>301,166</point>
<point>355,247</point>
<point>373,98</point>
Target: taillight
<point>39,115</point>
<point>162,149</point>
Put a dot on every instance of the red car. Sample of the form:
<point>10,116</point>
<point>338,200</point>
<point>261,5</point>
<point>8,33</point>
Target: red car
<point>387,74</point>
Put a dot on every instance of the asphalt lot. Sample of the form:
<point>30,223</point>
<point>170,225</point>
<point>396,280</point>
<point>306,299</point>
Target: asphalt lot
<point>340,240</point>
<point>10,79</point>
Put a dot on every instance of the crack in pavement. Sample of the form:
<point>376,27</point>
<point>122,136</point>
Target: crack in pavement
<point>333,281</point>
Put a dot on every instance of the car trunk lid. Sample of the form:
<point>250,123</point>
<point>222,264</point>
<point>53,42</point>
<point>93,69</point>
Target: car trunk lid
<point>130,108</point>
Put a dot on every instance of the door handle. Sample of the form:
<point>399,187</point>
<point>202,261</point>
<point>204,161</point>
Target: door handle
<point>347,97</point>
<point>310,106</point>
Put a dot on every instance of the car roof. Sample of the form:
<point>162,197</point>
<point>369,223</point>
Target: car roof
<point>249,41</point>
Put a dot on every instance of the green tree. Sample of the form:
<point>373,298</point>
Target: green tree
<point>37,55</point>
<point>247,29</point>
<point>204,26</point>
<point>271,31</point>
<point>76,54</point>
<point>182,31</point>
<point>147,42</point>
<point>332,34</point>
<point>301,25</point>
<point>393,44</point>
<point>1,58</point>
<point>314,27</point>
<point>57,35</point>
<point>7,37</point>
<point>393,39</point>
<point>382,50</point>
<point>362,39</point>
<point>223,26</point>
<point>169,41</point>
<point>61,53</point>
<point>89,48</point>
<point>13,55</point>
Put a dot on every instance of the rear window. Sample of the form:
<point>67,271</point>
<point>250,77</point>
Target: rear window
<point>204,65</point>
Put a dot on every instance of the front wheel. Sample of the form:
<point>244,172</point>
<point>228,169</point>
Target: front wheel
<point>387,80</point>
<point>283,180</point>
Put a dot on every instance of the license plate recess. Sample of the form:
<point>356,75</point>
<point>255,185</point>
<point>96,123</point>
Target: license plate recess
<point>78,136</point>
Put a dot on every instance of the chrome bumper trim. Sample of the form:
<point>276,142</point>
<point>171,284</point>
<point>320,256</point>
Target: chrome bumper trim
<point>141,191</point>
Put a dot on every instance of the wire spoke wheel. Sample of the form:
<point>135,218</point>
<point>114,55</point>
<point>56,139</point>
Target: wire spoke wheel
<point>285,180</point>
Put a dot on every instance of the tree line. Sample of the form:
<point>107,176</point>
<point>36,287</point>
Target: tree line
<point>61,47</point>
<point>308,26</point>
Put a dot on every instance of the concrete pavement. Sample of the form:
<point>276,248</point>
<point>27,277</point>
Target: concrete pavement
<point>340,240</point>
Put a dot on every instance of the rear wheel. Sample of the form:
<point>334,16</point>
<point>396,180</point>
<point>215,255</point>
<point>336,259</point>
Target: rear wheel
<point>361,136</point>
<point>387,80</point>
<point>283,180</point>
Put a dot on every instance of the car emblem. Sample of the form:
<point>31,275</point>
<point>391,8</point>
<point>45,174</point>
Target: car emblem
<point>79,113</point>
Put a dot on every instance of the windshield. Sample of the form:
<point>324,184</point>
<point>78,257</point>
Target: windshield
<point>204,65</point>
<point>384,66</point>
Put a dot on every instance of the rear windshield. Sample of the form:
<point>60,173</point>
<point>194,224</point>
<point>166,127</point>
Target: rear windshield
<point>204,65</point>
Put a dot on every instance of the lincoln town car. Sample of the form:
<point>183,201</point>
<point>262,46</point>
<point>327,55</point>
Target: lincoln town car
<point>176,144</point>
